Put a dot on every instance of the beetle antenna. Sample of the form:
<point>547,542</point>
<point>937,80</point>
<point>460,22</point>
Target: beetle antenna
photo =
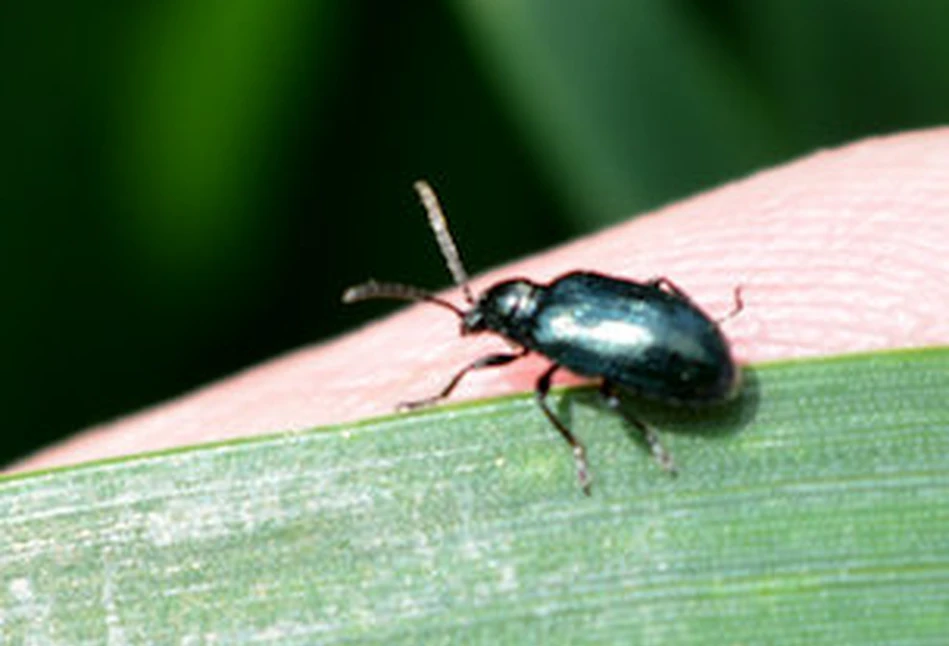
<point>436,220</point>
<point>396,291</point>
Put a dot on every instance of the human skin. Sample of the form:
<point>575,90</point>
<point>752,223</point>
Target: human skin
<point>843,251</point>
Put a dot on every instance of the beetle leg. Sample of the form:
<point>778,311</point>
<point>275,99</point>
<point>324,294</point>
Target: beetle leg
<point>659,453</point>
<point>660,282</point>
<point>665,285</point>
<point>736,308</point>
<point>489,361</point>
<point>579,451</point>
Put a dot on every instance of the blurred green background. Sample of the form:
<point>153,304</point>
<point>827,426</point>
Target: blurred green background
<point>188,186</point>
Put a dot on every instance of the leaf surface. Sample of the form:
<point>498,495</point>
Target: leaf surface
<point>814,511</point>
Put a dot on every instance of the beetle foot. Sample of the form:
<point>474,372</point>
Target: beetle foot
<point>404,407</point>
<point>659,452</point>
<point>583,470</point>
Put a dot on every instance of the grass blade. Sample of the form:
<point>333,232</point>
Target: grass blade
<point>813,512</point>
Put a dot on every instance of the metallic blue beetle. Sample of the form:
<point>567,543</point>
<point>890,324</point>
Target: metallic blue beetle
<point>647,338</point>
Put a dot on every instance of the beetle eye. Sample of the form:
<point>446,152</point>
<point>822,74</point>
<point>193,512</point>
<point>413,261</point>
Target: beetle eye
<point>473,321</point>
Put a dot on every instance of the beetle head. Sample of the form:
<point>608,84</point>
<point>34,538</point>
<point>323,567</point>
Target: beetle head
<point>506,308</point>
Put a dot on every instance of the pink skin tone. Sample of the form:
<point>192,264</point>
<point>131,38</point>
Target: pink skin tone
<point>843,251</point>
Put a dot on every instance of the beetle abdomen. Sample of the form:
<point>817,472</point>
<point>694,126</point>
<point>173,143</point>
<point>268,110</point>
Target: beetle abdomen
<point>636,335</point>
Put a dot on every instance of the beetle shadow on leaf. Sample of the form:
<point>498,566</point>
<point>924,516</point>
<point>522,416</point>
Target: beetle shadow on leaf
<point>720,420</point>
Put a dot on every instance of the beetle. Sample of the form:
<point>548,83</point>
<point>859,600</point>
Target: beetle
<point>647,338</point>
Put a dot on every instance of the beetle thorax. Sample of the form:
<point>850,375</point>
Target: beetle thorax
<point>507,308</point>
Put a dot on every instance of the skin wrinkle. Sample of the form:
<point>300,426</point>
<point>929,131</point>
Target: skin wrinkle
<point>843,251</point>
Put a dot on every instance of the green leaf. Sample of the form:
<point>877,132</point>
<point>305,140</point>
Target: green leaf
<point>626,104</point>
<point>814,511</point>
<point>212,96</point>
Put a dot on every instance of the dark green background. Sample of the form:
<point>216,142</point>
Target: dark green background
<point>188,186</point>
